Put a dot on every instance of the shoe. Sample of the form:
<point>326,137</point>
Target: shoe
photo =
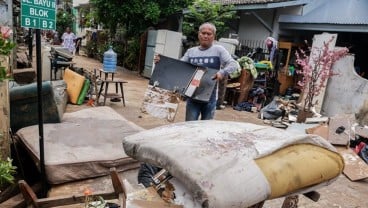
<point>220,107</point>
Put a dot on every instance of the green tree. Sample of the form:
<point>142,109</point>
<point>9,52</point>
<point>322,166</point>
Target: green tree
<point>206,11</point>
<point>135,15</point>
<point>64,17</point>
<point>133,18</point>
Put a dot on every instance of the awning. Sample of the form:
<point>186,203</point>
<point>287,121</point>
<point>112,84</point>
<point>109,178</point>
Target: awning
<point>337,15</point>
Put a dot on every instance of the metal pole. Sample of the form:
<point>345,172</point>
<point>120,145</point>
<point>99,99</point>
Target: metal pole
<point>30,43</point>
<point>40,115</point>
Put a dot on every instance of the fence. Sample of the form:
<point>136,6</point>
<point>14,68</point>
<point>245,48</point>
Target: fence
<point>252,48</point>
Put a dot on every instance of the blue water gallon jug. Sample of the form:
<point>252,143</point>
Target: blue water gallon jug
<point>109,60</point>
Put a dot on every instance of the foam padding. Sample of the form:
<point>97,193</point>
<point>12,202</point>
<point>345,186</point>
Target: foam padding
<point>74,83</point>
<point>84,91</point>
<point>299,166</point>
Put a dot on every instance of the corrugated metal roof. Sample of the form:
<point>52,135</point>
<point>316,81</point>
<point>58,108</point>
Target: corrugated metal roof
<point>333,12</point>
<point>246,2</point>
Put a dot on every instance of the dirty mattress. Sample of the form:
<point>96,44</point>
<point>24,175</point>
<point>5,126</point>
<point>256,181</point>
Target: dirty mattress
<point>234,164</point>
<point>86,144</point>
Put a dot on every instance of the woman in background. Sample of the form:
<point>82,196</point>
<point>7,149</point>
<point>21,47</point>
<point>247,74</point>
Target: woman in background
<point>68,40</point>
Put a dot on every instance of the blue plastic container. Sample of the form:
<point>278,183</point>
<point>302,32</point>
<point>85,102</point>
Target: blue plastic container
<point>109,60</point>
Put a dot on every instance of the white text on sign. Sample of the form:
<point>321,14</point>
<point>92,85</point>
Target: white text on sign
<point>44,3</point>
<point>38,12</point>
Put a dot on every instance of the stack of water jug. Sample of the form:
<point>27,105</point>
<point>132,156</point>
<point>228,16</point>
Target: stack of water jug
<point>109,60</point>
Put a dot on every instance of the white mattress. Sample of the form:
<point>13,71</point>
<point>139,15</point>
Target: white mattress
<point>86,144</point>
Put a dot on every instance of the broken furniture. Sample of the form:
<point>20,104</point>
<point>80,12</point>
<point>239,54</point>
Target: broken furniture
<point>238,90</point>
<point>24,103</point>
<point>31,197</point>
<point>256,163</point>
<point>60,59</point>
<point>119,192</point>
<point>184,78</point>
<point>119,84</point>
<point>87,143</point>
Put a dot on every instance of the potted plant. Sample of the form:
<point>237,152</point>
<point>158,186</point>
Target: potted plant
<point>7,171</point>
<point>315,68</point>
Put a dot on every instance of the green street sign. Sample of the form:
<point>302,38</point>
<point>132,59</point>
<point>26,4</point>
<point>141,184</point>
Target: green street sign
<point>38,14</point>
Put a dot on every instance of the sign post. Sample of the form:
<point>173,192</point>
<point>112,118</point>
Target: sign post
<point>39,14</point>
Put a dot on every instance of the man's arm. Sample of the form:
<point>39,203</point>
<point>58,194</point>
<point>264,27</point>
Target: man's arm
<point>229,65</point>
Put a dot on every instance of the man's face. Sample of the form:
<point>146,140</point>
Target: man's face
<point>206,37</point>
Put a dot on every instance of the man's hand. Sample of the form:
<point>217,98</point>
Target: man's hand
<point>218,76</point>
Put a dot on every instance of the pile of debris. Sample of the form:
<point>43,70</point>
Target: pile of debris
<point>348,132</point>
<point>24,73</point>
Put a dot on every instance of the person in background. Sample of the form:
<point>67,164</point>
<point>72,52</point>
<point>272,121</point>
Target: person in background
<point>68,40</point>
<point>210,55</point>
<point>78,44</point>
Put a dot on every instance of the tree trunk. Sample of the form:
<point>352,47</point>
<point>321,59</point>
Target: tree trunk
<point>4,113</point>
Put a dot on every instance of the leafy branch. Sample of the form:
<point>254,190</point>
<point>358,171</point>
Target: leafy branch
<point>316,68</point>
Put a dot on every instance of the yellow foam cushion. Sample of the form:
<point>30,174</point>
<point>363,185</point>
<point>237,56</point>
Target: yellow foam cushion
<point>299,166</point>
<point>74,83</point>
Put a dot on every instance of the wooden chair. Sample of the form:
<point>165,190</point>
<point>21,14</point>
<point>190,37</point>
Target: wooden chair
<point>237,90</point>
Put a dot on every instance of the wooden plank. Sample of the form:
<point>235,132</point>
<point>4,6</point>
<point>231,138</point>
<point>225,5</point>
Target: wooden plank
<point>355,168</point>
<point>320,130</point>
<point>18,201</point>
<point>316,120</point>
<point>68,200</point>
<point>318,41</point>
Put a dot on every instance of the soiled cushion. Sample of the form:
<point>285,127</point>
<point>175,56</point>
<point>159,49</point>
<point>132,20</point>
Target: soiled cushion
<point>298,166</point>
<point>213,157</point>
<point>74,83</point>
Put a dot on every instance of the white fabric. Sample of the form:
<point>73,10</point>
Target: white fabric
<point>215,159</point>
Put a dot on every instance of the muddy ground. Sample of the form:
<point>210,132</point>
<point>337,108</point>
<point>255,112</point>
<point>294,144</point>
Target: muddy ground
<point>342,193</point>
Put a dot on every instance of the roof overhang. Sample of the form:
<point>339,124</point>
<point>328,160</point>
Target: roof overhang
<point>337,15</point>
<point>257,6</point>
<point>325,27</point>
<point>271,5</point>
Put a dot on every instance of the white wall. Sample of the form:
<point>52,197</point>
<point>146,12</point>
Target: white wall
<point>6,13</point>
<point>250,28</point>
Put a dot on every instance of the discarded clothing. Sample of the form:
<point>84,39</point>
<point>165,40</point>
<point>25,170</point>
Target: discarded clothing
<point>271,111</point>
<point>244,106</point>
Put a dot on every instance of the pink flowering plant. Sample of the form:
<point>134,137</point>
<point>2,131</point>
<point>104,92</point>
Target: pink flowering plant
<point>6,46</point>
<point>316,68</point>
